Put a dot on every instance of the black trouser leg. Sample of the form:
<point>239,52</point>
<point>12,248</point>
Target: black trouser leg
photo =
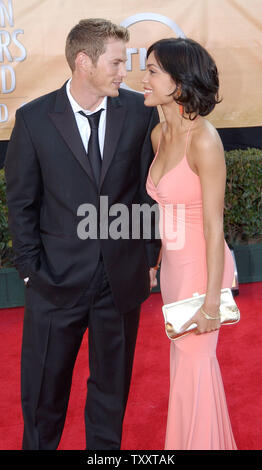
<point>112,339</point>
<point>51,341</point>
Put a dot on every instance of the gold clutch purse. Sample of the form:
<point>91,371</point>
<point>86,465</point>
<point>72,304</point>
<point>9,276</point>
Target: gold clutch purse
<point>178,313</point>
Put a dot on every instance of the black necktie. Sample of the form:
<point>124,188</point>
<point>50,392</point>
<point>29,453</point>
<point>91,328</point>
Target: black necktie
<point>94,154</point>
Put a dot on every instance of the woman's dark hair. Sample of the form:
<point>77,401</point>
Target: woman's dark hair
<point>193,71</point>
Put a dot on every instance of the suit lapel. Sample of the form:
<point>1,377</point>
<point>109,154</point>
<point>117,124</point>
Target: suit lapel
<point>64,121</point>
<point>114,124</point>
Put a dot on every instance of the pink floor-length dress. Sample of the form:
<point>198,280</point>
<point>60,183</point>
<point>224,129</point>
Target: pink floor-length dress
<point>197,414</point>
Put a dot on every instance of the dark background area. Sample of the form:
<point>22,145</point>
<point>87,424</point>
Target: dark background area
<point>232,138</point>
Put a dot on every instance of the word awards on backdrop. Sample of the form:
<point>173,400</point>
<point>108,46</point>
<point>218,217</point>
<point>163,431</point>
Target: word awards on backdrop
<point>12,51</point>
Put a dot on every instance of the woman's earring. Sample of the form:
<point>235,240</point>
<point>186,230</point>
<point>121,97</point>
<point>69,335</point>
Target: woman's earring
<point>181,110</point>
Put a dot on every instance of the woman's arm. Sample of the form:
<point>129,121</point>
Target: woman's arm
<point>209,162</point>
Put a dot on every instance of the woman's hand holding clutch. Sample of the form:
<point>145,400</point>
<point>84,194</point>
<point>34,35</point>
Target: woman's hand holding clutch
<point>206,322</point>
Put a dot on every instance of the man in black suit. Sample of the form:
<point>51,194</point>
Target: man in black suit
<point>78,281</point>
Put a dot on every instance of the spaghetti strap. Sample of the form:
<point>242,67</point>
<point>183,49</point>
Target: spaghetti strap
<point>188,132</point>
<point>159,141</point>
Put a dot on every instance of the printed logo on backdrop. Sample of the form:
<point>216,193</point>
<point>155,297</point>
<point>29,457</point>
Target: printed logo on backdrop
<point>12,51</point>
<point>136,56</point>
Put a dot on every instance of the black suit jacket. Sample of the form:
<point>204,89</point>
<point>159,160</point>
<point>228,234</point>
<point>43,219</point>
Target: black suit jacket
<point>49,176</point>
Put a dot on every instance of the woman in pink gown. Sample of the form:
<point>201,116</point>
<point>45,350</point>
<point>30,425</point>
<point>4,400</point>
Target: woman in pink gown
<point>189,174</point>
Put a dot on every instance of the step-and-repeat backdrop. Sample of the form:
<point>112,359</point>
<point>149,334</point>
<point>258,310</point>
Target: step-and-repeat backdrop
<point>33,34</point>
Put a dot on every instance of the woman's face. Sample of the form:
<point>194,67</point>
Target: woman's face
<point>157,84</point>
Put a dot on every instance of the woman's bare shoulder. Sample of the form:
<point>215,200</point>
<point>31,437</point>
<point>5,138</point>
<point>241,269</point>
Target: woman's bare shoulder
<point>206,143</point>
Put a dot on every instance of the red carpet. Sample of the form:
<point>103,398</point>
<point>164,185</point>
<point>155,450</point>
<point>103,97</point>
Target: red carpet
<point>239,353</point>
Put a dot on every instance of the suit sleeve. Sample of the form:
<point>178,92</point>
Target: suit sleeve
<point>24,191</point>
<point>152,238</point>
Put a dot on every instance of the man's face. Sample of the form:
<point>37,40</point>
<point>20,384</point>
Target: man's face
<point>106,76</point>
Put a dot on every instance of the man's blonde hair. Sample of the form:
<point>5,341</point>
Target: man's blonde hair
<point>90,36</point>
